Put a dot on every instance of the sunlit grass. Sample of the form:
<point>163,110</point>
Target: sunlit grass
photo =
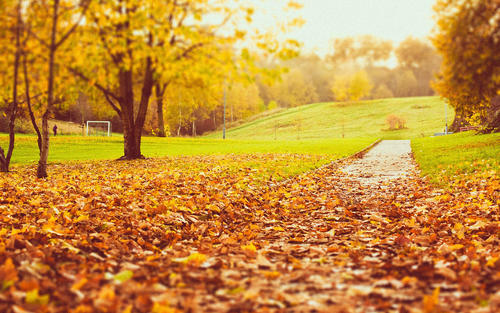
<point>71,148</point>
<point>424,117</point>
<point>444,159</point>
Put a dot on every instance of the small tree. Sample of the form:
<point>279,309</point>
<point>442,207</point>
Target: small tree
<point>360,86</point>
<point>352,87</point>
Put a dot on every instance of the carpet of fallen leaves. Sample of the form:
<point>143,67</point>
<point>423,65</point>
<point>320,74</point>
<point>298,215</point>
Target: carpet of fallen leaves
<point>202,234</point>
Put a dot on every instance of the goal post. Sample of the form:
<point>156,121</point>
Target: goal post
<point>98,128</point>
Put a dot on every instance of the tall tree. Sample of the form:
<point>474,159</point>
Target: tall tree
<point>13,30</point>
<point>365,50</point>
<point>467,36</point>
<point>132,46</point>
<point>294,90</point>
<point>421,58</point>
<point>64,17</point>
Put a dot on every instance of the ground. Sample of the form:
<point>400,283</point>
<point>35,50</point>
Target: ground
<point>226,233</point>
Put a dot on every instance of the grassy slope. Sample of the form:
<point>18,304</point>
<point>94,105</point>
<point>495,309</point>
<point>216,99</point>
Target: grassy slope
<point>446,158</point>
<point>66,148</point>
<point>424,116</point>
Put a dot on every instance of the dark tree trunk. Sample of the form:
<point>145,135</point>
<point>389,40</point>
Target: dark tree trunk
<point>493,119</point>
<point>160,92</point>
<point>4,167</point>
<point>132,128</point>
<point>459,121</point>
<point>161,122</point>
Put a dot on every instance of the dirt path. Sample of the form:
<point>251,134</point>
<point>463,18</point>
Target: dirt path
<point>387,161</point>
<point>361,237</point>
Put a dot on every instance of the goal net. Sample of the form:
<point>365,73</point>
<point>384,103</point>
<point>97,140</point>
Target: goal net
<point>98,128</point>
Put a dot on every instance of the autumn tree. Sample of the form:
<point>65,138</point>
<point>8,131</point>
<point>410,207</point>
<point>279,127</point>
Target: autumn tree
<point>11,32</point>
<point>382,92</point>
<point>128,43</point>
<point>364,50</point>
<point>340,87</point>
<point>403,83</point>
<point>131,46</point>
<point>315,70</point>
<point>360,86</point>
<point>419,57</point>
<point>54,22</point>
<point>467,36</point>
<point>351,87</point>
<point>243,100</point>
<point>293,90</point>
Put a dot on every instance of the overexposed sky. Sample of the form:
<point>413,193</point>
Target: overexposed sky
<point>327,19</point>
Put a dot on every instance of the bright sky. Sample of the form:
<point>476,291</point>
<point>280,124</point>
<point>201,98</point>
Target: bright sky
<point>327,19</point>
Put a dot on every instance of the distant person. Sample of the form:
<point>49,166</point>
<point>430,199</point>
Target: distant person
<point>55,130</point>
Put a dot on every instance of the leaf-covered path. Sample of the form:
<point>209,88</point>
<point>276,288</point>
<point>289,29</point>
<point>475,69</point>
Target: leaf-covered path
<point>210,234</point>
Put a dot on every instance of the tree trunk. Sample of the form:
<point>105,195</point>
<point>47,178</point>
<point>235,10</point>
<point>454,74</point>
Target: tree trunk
<point>180,122</point>
<point>12,108</point>
<point>132,128</point>
<point>159,110</point>
<point>30,107</point>
<point>493,119</point>
<point>132,144</point>
<point>4,167</point>
<point>130,149</point>
<point>460,120</point>
<point>41,171</point>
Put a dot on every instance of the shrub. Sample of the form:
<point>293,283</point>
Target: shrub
<point>272,105</point>
<point>395,122</point>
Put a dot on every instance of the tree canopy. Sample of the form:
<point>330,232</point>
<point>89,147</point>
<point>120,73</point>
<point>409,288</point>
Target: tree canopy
<point>467,36</point>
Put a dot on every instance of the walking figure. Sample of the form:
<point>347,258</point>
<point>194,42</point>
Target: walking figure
<point>55,130</point>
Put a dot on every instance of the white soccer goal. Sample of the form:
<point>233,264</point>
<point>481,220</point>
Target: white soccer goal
<point>99,128</point>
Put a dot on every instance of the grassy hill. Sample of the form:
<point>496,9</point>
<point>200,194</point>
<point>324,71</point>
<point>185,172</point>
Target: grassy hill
<point>424,117</point>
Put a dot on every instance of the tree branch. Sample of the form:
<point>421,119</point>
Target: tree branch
<point>113,105</point>
<point>86,5</point>
<point>103,89</point>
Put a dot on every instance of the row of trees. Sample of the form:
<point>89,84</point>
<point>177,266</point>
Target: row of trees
<point>124,53</point>
<point>353,71</point>
<point>357,69</point>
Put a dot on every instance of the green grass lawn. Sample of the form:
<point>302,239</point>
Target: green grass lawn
<point>424,116</point>
<point>444,159</point>
<point>69,148</point>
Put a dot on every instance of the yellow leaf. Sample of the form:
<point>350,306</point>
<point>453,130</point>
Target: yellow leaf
<point>32,297</point>
<point>456,247</point>
<point>249,250</point>
<point>491,261</point>
<point>79,284</point>
<point>431,301</point>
